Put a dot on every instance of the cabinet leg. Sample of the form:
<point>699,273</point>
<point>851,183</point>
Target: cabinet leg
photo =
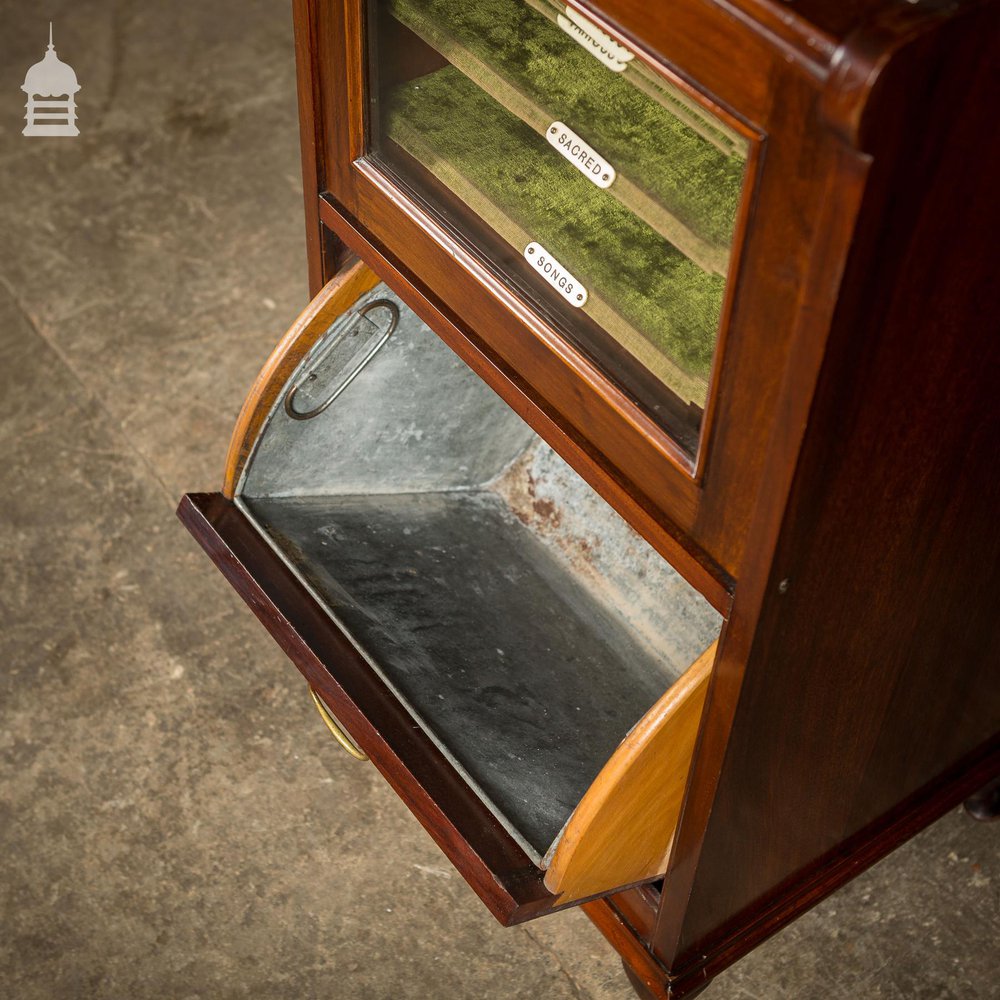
<point>643,992</point>
<point>985,804</point>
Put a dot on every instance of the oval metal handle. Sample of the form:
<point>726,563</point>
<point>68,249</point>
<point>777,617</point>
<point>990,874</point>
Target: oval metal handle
<point>335,731</point>
<point>393,310</point>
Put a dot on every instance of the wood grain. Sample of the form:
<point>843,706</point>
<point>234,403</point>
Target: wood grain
<point>311,142</point>
<point>877,577</point>
<point>830,872</point>
<point>559,359</point>
<point>336,297</point>
<point>477,844</point>
<point>647,976</point>
<point>850,523</point>
<point>621,831</point>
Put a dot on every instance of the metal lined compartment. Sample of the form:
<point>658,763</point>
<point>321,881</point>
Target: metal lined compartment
<point>524,625</point>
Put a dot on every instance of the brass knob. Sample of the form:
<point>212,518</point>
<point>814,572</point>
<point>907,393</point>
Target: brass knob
<point>338,734</point>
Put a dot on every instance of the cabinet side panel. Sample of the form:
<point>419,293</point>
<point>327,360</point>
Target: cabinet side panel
<point>316,60</point>
<point>874,664</point>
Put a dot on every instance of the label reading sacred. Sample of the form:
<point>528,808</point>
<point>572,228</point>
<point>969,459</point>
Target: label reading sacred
<point>591,164</point>
<point>555,274</point>
<point>598,43</point>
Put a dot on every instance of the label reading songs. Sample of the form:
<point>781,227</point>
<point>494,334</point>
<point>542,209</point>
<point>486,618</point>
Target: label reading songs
<point>555,274</point>
<point>598,43</point>
<point>590,163</point>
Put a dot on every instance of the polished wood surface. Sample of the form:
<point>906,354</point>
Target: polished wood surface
<point>621,831</point>
<point>644,972</point>
<point>487,856</point>
<point>638,908</point>
<point>984,804</point>
<point>870,593</point>
<point>371,714</point>
<point>710,506</point>
<point>841,513</point>
<point>829,872</point>
<point>335,298</point>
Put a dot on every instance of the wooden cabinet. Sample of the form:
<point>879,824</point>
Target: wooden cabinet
<point>627,492</point>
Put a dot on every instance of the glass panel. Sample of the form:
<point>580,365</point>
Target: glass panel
<point>600,190</point>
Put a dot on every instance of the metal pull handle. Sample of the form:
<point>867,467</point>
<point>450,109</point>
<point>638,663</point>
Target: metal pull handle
<point>353,363</point>
<point>338,734</point>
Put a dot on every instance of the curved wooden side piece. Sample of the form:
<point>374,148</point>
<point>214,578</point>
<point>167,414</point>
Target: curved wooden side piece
<point>621,831</point>
<point>334,298</point>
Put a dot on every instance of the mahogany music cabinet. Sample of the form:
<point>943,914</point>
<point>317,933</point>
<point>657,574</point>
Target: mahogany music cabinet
<point>628,491</point>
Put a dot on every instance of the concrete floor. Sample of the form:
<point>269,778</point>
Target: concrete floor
<point>174,820</point>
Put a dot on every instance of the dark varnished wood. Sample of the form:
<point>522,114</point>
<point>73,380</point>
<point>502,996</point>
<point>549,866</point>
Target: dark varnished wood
<point>875,614</point>
<point>374,717</point>
<point>640,988</point>
<point>623,918</point>
<point>644,972</point>
<point>746,930</point>
<point>823,26</point>
<point>842,510</point>
<point>493,863</point>
<point>320,241</point>
<point>724,691</point>
<point>711,507</point>
<point>638,909</point>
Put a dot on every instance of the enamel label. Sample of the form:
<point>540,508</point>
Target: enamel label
<point>590,163</point>
<point>598,43</point>
<point>555,274</point>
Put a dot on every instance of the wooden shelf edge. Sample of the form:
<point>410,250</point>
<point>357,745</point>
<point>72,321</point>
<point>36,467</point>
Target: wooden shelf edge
<point>687,387</point>
<point>493,864</point>
<point>632,949</point>
<point>661,90</point>
<point>744,935</point>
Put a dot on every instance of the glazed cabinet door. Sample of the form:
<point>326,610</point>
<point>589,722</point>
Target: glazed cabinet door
<point>604,193</point>
<point>598,221</point>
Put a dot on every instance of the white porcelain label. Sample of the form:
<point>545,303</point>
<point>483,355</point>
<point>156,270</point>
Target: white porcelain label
<point>590,163</point>
<point>555,274</point>
<point>598,43</point>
